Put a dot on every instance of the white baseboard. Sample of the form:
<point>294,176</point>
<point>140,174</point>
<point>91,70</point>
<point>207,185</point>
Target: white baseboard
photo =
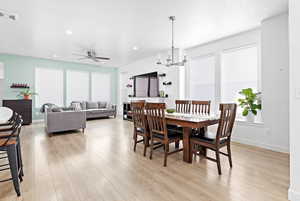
<point>261,145</point>
<point>293,195</point>
<point>37,121</point>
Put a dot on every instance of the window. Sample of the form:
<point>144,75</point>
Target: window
<point>49,84</point>
<point>239,70</point>
<point>77,86</point>
<point>202,79</point>
<point>101,87</point>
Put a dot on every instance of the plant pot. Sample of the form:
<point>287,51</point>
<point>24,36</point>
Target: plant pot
<point>250,117</point>
<point>26,97</point>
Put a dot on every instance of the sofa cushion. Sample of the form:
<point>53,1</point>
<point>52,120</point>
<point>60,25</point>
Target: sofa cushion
<point>102,104</point>
<point>91,105</point>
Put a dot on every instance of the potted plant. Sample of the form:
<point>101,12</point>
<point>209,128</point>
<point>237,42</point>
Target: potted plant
<point>250,104</point>
<point>26,93</point>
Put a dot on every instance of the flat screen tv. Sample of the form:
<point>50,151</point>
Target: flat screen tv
<point>146,85</point>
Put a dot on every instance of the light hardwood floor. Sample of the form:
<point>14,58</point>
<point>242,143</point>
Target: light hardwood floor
<point>101,166</point>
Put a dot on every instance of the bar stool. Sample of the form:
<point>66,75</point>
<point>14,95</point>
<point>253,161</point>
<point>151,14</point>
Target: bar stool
<point>5,132</point>
<point>10,145</point>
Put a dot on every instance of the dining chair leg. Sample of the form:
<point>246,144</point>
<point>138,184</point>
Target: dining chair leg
<point>151,148</point>
<point>229,154</point>
<point>135,141</point>
<point>203,150</point>
<point>166,153</point>
<point>13,164</point>
<point>218,161</point>
<point>177,144</point>
<point>145,145</point>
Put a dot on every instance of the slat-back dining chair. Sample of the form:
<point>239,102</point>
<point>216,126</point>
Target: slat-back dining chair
<point>183,106</point>
<point>221,139</point>
<point>9,145</point>
<point>200,107</point>
<point>140,124</point>
<point>159,131</point>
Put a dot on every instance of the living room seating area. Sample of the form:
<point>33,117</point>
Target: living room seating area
<point>58,119</point>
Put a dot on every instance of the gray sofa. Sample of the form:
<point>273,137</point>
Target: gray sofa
<point>95,109</point>
<point>63,120</point>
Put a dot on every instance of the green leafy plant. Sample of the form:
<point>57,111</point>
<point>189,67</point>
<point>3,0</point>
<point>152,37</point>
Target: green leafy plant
<point>26,92</point>
<point>251,101</point>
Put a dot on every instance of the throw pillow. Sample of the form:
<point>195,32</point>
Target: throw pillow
<point>102,104</point>
<point>56,109</point>
<point>76,106</point>
<point>91,105</point>
<point>83,105</point>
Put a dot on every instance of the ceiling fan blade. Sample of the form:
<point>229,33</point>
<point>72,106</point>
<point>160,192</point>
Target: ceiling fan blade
<point>76,54</point>
<point>103,58</point>
<point>82,58</point>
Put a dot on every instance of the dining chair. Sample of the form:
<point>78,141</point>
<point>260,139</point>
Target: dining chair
<point>159,131</point>
<point>200,107</point>
<point>140,124</point>
<point>183,106</point>
<point>219,140</point>
<point>9,146</point>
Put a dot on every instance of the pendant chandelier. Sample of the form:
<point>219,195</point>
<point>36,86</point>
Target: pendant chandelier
<point>170,61</point>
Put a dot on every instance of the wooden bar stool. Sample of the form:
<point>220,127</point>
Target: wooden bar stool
<point>9,145</point>
<point>6,131</point>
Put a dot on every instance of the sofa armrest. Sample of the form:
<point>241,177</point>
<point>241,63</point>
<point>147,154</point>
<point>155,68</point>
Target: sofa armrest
<point>61,121</point>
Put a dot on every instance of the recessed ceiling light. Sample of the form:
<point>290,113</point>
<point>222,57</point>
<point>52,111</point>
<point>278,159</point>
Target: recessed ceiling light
<point>54,56</point>
<point>69,32</point>
<point>135,48</point>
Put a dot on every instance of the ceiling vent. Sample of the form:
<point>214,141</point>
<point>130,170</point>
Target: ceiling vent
<point>8,15</point>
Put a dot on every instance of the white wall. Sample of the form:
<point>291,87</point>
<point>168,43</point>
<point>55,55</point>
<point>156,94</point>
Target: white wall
<point>294,29</point>
<point>275,80</point>
<point>1,82</point>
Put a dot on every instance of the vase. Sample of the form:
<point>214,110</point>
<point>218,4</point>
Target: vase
<point>250,117</point>
<point>26,97</point>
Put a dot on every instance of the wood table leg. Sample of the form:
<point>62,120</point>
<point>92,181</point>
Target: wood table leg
<point>187,153</point>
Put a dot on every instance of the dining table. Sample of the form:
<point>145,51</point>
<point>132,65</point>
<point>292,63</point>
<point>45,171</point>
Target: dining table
<point>188,122</point>
<point>5,114</point>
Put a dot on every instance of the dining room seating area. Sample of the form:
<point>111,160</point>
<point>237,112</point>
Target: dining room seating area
<point>187,127</point>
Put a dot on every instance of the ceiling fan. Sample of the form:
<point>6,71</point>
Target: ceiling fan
<point>91,54</point>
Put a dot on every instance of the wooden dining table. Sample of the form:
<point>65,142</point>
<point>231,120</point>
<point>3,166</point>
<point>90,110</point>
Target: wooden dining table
<point>188,122</point>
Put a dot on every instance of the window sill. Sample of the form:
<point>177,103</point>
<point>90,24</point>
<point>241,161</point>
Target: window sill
<point>244,122</point>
